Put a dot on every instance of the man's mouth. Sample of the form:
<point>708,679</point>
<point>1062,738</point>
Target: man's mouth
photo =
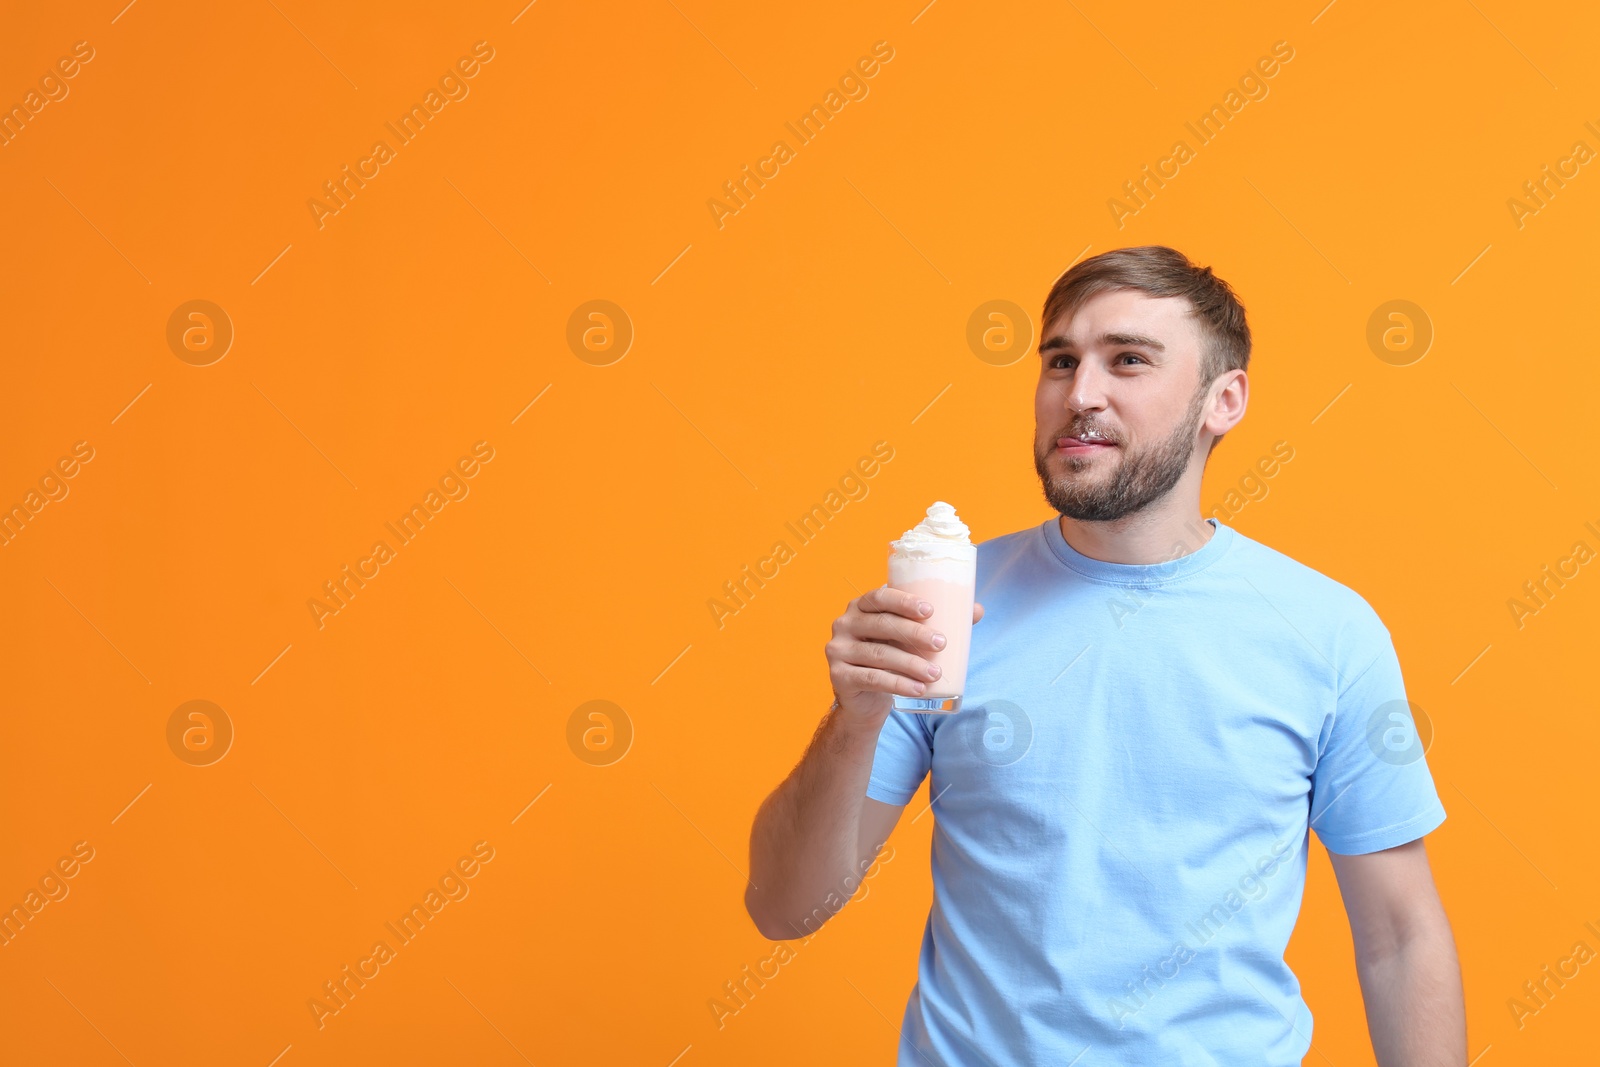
<point>1082,444</point>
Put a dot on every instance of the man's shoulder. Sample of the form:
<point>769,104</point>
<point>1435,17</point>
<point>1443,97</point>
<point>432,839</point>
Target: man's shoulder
<point>1289,583</point>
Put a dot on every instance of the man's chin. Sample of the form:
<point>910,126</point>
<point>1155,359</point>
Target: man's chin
<point>1079,469</point>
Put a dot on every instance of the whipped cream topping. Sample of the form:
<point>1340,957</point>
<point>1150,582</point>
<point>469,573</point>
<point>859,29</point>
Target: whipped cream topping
<point>939,534</point>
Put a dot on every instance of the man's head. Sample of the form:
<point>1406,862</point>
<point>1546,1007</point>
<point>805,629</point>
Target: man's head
<point>1146,352</point>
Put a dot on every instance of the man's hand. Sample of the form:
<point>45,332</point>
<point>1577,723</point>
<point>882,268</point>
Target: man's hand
<point>880,648</point>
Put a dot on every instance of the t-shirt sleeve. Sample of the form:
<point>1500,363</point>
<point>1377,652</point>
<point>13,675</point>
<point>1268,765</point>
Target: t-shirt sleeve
<point>902,759</point>
<point>1371,788</point>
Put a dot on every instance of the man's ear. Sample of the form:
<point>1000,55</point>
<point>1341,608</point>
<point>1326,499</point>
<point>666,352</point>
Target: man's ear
<point>1230,395</point>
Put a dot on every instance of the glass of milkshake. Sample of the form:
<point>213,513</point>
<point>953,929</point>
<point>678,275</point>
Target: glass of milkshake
<point>937,561</point>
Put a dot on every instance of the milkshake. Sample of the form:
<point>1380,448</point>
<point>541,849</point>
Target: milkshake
<point>937,561</point>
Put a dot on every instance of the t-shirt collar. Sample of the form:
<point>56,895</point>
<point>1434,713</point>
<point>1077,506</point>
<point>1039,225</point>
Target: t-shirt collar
<point>1194,559</point>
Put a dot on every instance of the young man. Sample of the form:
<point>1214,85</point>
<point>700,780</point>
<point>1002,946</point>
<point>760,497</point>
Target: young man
<point>1158,710</point>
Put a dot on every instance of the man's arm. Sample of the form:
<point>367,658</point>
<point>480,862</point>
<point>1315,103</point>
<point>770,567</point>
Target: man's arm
<point>1405,957</point>
<point>819,832</point>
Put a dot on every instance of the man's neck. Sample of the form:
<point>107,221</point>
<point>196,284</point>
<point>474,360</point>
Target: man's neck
<point>1151,536</point>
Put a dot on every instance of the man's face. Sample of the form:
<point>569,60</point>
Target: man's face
<point>1125,370</point>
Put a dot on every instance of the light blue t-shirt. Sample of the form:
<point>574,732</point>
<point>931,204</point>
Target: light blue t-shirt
<point>1122,805</point>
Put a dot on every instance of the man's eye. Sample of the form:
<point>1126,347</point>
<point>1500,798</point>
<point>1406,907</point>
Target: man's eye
<point>1060,362</point>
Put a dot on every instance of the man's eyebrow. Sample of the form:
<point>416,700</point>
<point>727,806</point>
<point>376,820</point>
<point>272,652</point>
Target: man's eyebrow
<point>1109,340</point>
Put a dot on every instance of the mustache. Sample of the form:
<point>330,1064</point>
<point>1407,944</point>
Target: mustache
<point>1102,432</point>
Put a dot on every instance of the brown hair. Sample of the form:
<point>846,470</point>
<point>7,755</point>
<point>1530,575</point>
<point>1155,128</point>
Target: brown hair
<point>1160,271</point>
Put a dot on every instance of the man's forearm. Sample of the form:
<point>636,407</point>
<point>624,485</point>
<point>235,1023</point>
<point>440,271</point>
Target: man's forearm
<point>1415,1010</point>
<point>804,843</point>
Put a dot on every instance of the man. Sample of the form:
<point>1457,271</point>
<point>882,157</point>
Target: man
<point>1158,710</point>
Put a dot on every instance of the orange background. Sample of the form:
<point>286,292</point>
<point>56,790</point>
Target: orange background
<point>771,353</point>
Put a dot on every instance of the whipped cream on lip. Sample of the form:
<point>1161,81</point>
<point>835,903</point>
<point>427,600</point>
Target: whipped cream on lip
<point>940,534</point>
<point>1086,437</point>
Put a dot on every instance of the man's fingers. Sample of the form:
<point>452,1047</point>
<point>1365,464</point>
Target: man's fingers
<point>898,601</point>
<point>884,626</point>
<point>873,680</point>
<point>977,611</point>
<point>889,658</point>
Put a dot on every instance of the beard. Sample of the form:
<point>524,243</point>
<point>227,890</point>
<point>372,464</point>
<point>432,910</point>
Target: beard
<point>1139,479</point>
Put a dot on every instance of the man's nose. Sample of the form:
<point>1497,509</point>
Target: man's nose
<point>1086,391</point>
